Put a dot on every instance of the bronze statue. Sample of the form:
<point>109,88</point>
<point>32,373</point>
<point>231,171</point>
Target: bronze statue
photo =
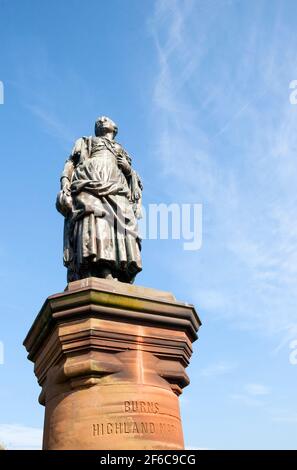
<point>100,199</point>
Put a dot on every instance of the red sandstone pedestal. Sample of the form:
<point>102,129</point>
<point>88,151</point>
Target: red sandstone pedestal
<point>110,358</point>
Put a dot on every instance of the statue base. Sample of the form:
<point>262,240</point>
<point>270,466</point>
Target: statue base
<point>110,358</point>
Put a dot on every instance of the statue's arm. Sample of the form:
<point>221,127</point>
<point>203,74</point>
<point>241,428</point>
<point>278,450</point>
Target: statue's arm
<point>124,161</point>
<point>135,185</point>
<point>136,193</point>
<point>134,181</point>
<point>64,199</point>
<point>69,166</point>
<point>66,176</point>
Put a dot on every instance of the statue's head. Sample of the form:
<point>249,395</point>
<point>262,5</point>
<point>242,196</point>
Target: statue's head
<point>104,125</point>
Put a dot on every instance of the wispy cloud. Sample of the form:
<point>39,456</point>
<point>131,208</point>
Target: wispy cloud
<point>256,396</point>
<point>226,135</point>
<point>20,437</point>
<point>51,123</point>
<point>213,300</point>
<point>252,396</point>
<point>218,369</point>
<point>246,400</point>
<point>283,416</point>
<point>257,389</point>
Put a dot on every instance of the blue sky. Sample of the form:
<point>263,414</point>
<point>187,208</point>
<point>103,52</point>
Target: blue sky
<point>200,92</point>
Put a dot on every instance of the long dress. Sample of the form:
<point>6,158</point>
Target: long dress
<point>102,229</point>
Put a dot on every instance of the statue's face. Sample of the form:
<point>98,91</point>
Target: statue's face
<point>104,125</point>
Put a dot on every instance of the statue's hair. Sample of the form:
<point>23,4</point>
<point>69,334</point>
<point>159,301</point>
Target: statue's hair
<point>98,123</point>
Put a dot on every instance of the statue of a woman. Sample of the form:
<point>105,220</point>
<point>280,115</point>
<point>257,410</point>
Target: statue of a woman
<point>100,199</point>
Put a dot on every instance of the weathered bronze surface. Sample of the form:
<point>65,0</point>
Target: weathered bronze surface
<point>100,199</point>
<point>110,358</point>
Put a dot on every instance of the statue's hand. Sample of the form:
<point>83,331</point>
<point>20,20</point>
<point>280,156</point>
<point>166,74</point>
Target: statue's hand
<point>64,202</point>
<point>66,187</point>
<point>123,164</point>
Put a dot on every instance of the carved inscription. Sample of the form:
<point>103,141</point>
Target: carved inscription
<point>129,427</point>
<point>101,429</point>
<point>138,426</point>
<point>141,407</point>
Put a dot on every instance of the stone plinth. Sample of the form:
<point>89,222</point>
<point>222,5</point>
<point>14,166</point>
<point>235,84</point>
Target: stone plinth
<point>111,358</point>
